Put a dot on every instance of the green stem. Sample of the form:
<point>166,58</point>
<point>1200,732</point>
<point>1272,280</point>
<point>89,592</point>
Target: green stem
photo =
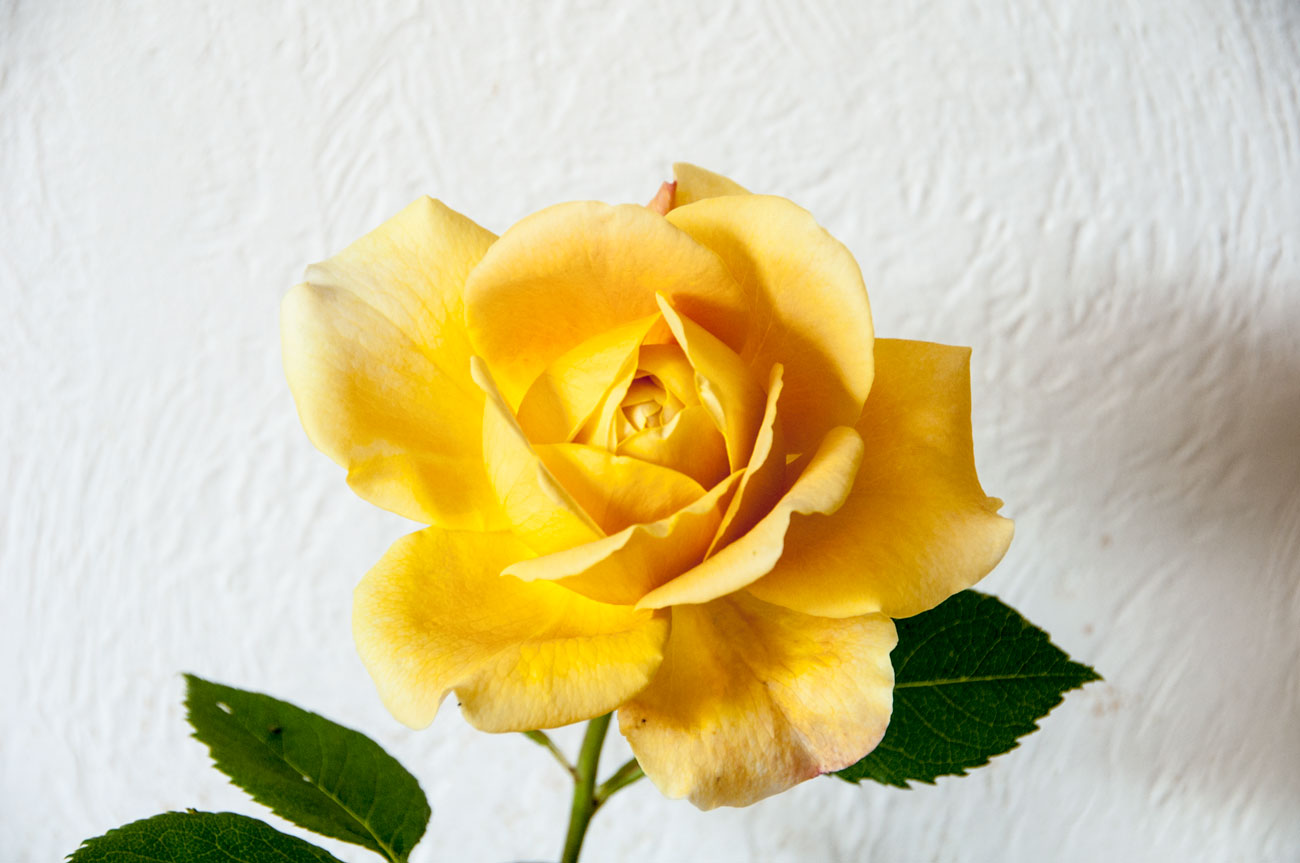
<point>542,739</point>
<point>584,787</point>
<point>625,776</point>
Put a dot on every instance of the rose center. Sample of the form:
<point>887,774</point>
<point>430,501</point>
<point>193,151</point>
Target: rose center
<point>648,404</point>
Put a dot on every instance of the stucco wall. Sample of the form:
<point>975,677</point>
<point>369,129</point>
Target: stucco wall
<point>1102,198</point>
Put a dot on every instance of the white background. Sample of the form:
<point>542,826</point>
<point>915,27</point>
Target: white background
<point>1102,198</point>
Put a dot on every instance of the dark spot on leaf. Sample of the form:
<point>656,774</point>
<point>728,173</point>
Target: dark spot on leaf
<point>275,729</point>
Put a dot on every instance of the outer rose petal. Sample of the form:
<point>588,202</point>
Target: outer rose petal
<point>822,487</point>
<point>917,527</point>
<point>377,357</point>
<point>752,699</point>
<point>434,615</point>
<point>576,270</point>
<point>696,184</point>
<point>808,306</point>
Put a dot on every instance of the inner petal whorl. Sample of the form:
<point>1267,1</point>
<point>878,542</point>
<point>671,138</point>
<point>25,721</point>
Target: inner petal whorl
<point>648,404</point>
<point>655,415</point>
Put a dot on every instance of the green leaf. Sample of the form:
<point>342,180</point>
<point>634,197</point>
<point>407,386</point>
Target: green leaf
<point>308,770</point>
<point>970,678</point>
<point>198,837</point>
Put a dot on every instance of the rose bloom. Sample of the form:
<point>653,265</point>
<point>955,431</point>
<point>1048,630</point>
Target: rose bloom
<point>666,470</point>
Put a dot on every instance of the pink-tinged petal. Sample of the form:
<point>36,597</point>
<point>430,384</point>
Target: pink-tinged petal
<point>752,699</point>
<point>664,199</point>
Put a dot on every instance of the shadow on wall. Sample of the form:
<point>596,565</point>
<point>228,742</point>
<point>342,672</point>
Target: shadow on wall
<point>1170,431</point>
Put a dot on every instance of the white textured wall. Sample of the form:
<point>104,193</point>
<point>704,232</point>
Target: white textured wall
<point>1102,198</point>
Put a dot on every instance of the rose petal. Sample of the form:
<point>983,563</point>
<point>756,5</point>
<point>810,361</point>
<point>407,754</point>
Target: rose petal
<point>689,443</point>
<point>535,504</point>
<point>616,490</point>
<point>643,391</point>
<point>578,381</point>
<point>669,364</point>
<point>764,477</point>
<point>752,699</point>
<point>626,566</point>
<point>696,184</point>
<point>573,271</point>
<point>602,428</point>
<point>917,527</point>
<point>377,357</point>
<point>434,616</point>
<point>663,200</point>
<point>724,385</point>
<point>821,487</point>
<point>808,306</point>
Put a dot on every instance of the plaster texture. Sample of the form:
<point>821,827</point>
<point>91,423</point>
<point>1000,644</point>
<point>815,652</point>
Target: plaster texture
<point>1102,198</point>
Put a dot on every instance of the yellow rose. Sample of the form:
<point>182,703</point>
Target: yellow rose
<point>667,471</point>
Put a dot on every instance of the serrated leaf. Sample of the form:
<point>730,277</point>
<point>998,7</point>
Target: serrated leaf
<point>971,677</point>
<point>198,837</point>
<point>321,776</point>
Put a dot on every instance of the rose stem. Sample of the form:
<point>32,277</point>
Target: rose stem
<point>587,796</point>
<point>623,777</point>
<point>584,786</point>
<point>542,739</point>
